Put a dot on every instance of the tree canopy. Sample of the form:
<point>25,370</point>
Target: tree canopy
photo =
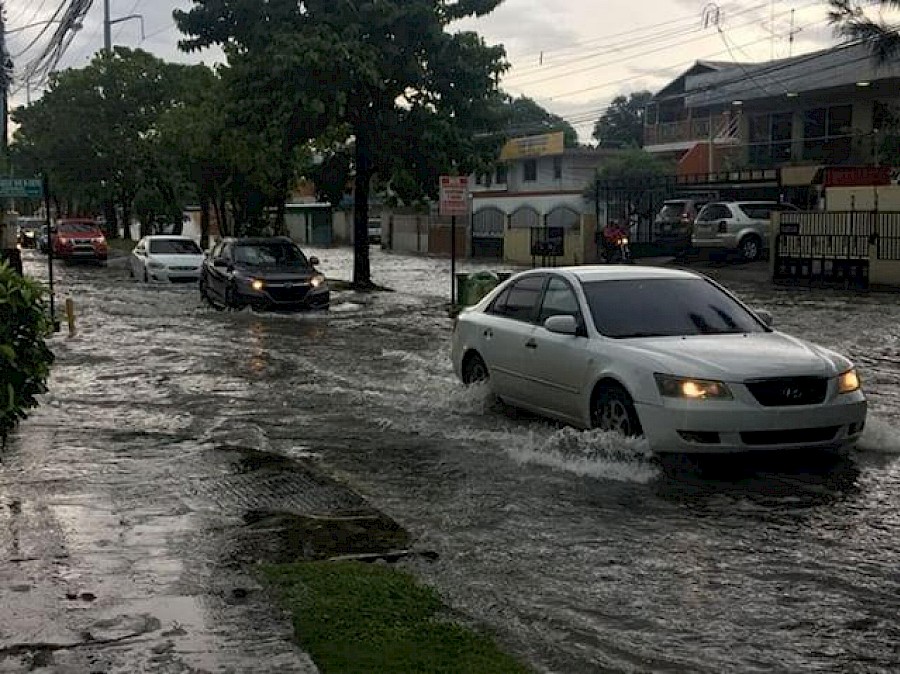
<point>523,116</point>
<point>850,20</point>
<point>96,133</point>
<point>622,124</point>
<point>411,95</point>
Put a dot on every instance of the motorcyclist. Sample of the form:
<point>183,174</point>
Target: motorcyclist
<point>611,238</point>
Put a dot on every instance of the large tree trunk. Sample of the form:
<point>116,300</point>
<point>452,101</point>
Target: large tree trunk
<point>126,219</point>
<point>362,273</point>
<point>112,219</point>
<point>204,219</point>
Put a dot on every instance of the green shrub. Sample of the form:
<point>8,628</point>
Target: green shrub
<point>25,358</point>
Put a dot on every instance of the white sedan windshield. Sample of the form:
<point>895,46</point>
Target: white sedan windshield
<point>665,308</point>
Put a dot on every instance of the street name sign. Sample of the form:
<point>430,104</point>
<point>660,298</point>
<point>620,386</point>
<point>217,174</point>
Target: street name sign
<point>454,196</point>
<point>21,188</point>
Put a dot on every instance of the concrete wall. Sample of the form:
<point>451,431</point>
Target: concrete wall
<point>342,228</point>
<point>439,237</point>
<point>886,198</point>
<point>405,230</point>
<point>579,246</point>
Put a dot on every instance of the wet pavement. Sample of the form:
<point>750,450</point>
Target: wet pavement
<point>134,501</point>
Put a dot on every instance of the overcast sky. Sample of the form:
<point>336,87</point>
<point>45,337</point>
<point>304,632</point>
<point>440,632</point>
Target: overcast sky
<point>573,56</point>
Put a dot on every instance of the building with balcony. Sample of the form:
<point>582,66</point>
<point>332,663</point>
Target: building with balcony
<point>831,107</point>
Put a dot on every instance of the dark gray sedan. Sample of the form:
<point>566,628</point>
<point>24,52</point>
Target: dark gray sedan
<point>262,273</point>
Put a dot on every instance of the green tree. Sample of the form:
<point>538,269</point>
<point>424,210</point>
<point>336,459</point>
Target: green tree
<point>96,133</point>
<point>25,358</point>
<point>632,182</point>
<point>524,117</point>
<point>622,124</point>
<point>388,70</point>
<point>850,20</point>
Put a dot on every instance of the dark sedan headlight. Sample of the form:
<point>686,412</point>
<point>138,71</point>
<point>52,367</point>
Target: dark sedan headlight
<point>257,284</point>
<point>318,282</point>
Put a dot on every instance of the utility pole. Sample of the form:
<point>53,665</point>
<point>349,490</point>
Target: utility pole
<point>107,28</point>
<point>4,82</point>
<point>8,248</point>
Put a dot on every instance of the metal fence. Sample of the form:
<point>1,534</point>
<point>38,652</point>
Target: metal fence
<point>888,236</point>
<point>833,248</point>
<point>636,201</point>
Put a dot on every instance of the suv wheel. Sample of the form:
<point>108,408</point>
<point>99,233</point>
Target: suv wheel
<point>751,248</point>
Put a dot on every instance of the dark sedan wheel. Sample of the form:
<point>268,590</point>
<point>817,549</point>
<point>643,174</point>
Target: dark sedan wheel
<point>204,293</point>
<point>613,410</point>
<point>474,370</point>
<point>233,299</point>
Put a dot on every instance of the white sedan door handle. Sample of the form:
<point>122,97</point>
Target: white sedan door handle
<point>531,344</point>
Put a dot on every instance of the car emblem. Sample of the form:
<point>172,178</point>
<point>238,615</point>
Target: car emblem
<point>288,285</point>
<point>791,393</point>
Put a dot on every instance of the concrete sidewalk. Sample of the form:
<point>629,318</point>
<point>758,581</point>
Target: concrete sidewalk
<point>112,560</point>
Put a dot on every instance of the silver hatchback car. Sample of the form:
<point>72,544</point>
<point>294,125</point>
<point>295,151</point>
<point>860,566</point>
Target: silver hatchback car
<point>743,226</point>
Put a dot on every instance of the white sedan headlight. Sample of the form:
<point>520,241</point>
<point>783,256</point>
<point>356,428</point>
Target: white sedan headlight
<point>156,265</point>
<point>849,382</point>
<point>691,389</point>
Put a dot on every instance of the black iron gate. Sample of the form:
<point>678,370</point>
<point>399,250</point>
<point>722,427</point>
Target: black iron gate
<point>635,200</point>
<point>824,248</point>
<point>488,225</point>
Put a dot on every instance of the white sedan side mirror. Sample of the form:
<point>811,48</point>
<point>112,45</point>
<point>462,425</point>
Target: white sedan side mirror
<point>562,325</point>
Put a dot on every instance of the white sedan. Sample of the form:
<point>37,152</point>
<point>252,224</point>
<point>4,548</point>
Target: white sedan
<point>176,259</point>
<point>665,354</point>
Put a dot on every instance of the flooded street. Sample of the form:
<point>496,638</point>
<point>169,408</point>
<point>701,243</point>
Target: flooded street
<point>576,549</point>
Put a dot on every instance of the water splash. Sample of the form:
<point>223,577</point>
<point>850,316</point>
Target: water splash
<point>595,453</point>
<point>880,437</point>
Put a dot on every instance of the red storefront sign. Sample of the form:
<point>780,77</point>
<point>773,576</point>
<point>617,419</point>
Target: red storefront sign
<point>857,176</point>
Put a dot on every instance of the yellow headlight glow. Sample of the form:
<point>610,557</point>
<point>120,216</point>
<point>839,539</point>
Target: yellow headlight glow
<point>691,389</point>
<point>257,285</point>
<point>848,382</point>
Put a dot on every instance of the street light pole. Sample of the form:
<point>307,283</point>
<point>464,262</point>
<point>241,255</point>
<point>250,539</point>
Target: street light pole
<point>107,28</point>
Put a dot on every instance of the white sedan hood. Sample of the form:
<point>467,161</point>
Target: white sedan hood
<point>736,358</point>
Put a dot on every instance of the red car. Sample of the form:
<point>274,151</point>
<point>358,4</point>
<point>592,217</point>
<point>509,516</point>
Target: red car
<point>79,240</point>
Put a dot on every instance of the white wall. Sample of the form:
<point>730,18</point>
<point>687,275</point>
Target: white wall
<point>544,203</point>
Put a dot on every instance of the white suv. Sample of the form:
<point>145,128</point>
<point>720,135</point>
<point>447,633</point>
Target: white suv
<point>744,226</point>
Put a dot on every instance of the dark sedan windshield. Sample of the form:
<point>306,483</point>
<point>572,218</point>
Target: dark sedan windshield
<point>665,308</point>
<point>274,254</point>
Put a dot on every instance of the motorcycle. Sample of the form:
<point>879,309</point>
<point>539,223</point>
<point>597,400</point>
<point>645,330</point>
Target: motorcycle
<point>617,250</point>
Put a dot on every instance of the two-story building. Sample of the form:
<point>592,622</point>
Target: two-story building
<point>828,108</point>
<point>534,204</point>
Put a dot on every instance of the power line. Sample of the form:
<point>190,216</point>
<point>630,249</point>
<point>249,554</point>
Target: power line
<point>582,45</point>
<point>683,64</point>
<point>589,117</point>
<point>621,60</point>
<point>630,44</point>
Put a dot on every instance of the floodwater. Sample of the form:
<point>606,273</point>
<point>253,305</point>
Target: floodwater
<point>575,548</point>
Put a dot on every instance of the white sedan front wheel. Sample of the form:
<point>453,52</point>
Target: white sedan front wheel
<point>613,410</point>
<point>475,370</point>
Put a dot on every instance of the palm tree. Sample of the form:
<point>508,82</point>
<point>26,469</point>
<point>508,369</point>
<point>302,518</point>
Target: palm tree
<point>851,21</point>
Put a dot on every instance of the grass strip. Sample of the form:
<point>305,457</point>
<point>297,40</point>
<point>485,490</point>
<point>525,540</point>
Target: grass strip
<point>355,617</point>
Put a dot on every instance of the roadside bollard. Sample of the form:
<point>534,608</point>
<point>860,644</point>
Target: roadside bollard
<point>70,316</point>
